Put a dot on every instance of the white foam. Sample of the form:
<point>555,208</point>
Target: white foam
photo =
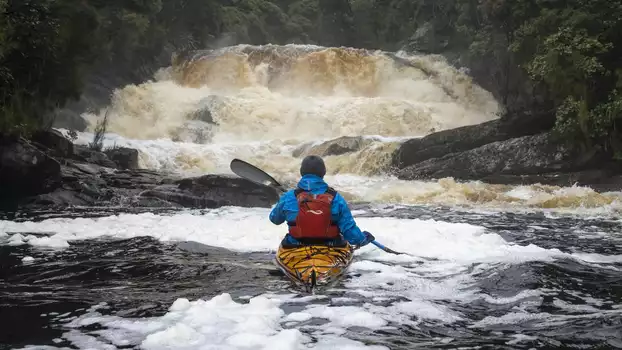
<point>49,242</point>
<point>347,316</point>
<point>440,273</point>
<point>519,338</point>
<point>217,323</point>
<point>360,175</point>
<point>248,229</point>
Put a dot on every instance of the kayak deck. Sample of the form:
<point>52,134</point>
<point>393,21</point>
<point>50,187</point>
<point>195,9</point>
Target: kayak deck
<point>312,266</point>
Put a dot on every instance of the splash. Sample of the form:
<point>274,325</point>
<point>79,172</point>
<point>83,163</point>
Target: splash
<point>272,105</point>
<point>300,92</point>
<point>359,175</point>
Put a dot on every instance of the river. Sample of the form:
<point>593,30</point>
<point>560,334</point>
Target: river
<point>491,266</point>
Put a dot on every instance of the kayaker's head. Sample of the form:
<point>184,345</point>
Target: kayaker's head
<point>313,165</point>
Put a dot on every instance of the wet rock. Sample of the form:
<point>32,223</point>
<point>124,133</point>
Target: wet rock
<point>445,142</point>
<point>204,112</point>
<point>90,169</point>
<point>55,142</point>
<point>85,154</point>
<point>123,157</point>
<point>528,155</point>
<point>152,202</point>
<point>338,146</point>
<point>212,191</point>
<point>61,198</point>
<point>194,131</point>
<point>26,170</point>
<point>199,125</point>
<point>302,150</point>
<point>93,185</point>
<point>69,119</point>
<point>461,139</point>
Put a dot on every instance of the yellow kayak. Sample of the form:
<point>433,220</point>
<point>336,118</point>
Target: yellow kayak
<point>314,266</point>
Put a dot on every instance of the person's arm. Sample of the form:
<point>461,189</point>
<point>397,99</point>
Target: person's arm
<point>350,231</point>
<point>277,215</point>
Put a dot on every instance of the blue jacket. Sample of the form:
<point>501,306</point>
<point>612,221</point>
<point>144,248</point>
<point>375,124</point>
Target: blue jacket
<point>287,210</point>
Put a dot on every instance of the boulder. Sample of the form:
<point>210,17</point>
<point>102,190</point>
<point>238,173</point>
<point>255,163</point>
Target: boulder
<point>199,124</point>
<point>87,155</point>
<point>211,191</point>
<point>26,170</point>
<point>194,131</point>
<point>54,142</point>
<point>60,198</point>
<point>69,119</point>
<point>203,111</point>
<point>123,157</point>
<point>527,155</point>
<point>461,139</point>
<point>338,146</point>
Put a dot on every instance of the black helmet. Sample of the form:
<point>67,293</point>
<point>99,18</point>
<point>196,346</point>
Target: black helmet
<point>313,165</point>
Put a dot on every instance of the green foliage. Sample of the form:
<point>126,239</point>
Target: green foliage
<point>573,49</point>
<point>557,58</point>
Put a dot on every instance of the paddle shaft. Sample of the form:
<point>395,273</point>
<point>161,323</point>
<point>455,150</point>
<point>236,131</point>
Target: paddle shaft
<point>254,174</point>
<point>388,250</point>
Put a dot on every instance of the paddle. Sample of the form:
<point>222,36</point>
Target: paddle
<point>258,176</point>
<point>254,174</point>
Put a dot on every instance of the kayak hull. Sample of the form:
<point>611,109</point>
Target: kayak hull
<point>313,266</point>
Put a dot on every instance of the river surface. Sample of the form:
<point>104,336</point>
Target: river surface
<point>167,280</point>
<point>490,267</point>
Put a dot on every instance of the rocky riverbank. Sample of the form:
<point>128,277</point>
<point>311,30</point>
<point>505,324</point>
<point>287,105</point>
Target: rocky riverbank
<point>48,170</point>
<point>519,150</point>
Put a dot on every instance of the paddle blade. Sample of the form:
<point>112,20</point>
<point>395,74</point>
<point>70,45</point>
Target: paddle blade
<point>254,174</point>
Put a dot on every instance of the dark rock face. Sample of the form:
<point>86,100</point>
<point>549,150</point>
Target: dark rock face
<point>445,142</point>
<point>338,146</point>
<point>468,137</point>
<point>123,157</point>
<point>71,120</point>
<point>25,170</point>
<point>199,124</point>
<point>524,155</point>
<point>204,112</point>
<point>517,149</point>
<point>522,160</point>
<point>194,131</point>
<point>53,141</point>
<point>87,155</point>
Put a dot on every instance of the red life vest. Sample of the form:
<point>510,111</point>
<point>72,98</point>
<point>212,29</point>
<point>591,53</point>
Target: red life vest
<point>314,216</point>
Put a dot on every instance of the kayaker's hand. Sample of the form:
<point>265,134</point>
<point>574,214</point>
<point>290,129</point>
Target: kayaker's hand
<point>368,238</point>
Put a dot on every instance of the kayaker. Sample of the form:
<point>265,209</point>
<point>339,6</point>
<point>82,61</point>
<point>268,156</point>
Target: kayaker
<point>325,217</point>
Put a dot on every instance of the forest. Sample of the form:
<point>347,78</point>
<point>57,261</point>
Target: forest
<point>556,59</point>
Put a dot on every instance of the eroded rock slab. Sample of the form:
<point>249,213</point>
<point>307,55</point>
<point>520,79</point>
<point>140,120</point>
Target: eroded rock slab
<point>528,155</point>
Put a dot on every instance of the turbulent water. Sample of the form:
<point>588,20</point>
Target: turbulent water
<point>490,266</point>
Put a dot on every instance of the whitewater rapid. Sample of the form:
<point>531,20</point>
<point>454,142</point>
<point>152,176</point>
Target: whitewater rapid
<point>263,103</point>
<point>439,285</point>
